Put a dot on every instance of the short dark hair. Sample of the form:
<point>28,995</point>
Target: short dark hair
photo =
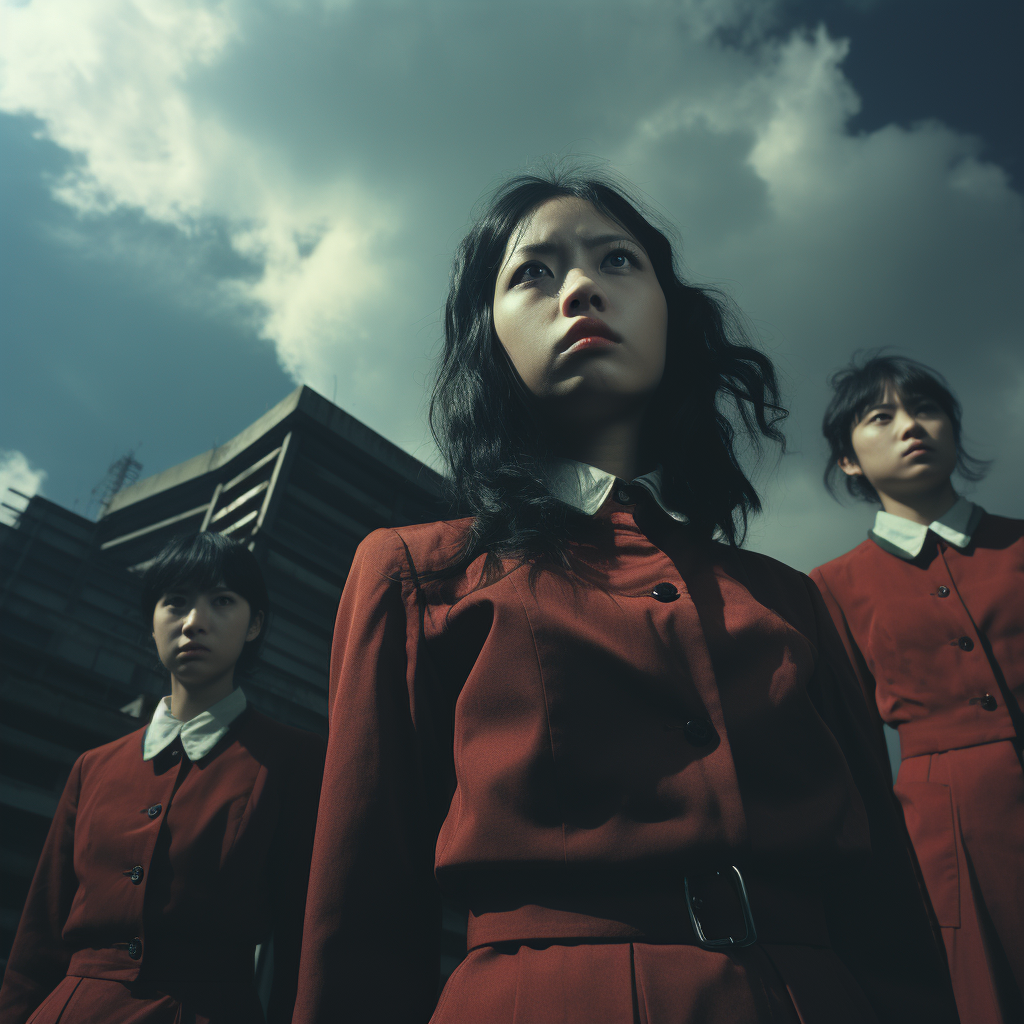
<point>481,412</point>
<point>859,386</point>
<point>200,562</point>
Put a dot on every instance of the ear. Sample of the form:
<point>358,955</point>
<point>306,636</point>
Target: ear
<point>850,466</point>
<point>254,627</point>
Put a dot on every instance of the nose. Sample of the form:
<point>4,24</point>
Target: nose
<point>580,295</point>
<point>908,425</point>
<point>194,622</point>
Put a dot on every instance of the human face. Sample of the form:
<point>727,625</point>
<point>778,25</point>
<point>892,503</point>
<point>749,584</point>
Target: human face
<point>580,312</point>
<point>200,634</point>
<point>904,447</point>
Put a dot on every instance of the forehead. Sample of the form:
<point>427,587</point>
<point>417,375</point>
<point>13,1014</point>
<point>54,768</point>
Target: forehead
<point>564,219</point>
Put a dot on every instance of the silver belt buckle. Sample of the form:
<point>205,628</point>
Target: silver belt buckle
<point>750,931</point>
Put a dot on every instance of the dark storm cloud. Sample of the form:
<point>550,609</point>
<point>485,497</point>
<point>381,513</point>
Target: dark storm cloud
<point>335,150</point>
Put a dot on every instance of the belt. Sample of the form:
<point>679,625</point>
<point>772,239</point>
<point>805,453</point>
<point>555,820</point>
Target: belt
<point>717,908</point>
<point>163,962</point>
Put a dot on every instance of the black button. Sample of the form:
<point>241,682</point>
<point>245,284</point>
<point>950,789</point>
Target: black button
<point>699,731</point>
<point>965,643</point>
<point>175,752</point>
<point>137,873</point>
<point>988,702</point>
<point>943,591</point>
<point>154,810</point>
<point>623,497</point>
<point>665,592</point>
<point>135,948</point>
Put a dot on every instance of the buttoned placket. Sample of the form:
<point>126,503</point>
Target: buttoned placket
<point>699,729</point>
<point>136,874</point>
<point>986,702</point>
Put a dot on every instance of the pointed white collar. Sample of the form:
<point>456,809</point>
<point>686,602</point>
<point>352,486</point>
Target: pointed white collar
<point>586,488</point>
<point>956,526</point>
<point>199,735</point>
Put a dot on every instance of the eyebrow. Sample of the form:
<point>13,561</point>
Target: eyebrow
<point>550,248</point>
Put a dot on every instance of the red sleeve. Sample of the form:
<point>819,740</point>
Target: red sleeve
<point>878,916</point>
<point>293,849</point>
<point>372,927</point>
<point>39,959</point>
<point>857,663</point>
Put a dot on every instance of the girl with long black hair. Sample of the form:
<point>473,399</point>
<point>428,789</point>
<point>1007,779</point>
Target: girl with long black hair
<point>631,750</point>
<point>178,848</point>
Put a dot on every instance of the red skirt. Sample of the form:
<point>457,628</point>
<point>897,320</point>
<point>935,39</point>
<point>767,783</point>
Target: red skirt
<point>965,814</point>
<point>99,1001</point>
<point>645,983</point>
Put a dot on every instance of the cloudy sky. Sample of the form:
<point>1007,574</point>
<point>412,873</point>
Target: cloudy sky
<point>205,203</point>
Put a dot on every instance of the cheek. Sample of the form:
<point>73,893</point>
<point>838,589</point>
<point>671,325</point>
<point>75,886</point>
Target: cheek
<point>518,336</point>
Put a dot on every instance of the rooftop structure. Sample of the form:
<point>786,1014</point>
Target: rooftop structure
<point>302,486</point>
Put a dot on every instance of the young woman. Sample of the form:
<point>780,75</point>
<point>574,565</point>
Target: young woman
<point>631,751</point>
<point>931,611</point>
<point>177,849</point>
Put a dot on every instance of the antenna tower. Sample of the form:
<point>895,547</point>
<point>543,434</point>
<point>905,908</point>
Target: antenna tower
<point>122,473</point>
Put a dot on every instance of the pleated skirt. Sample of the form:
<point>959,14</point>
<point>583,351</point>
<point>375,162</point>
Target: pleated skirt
<point>965,813</point>
<point>646,983</point>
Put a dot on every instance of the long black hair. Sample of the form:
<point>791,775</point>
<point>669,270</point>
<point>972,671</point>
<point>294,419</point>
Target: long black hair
<point>861,385</point>
<point>203,561</point>
<point>483,419</point>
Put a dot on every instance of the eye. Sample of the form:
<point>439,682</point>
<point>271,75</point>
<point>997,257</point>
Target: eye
<point>621,258</point>
<point>223,600</point>
<point>172,600</point>
<point>532,271</point>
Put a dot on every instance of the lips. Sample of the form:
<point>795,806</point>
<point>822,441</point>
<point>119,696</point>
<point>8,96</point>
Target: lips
<point>587,327</point>
<point>193,649</point>
<point>917,446</point>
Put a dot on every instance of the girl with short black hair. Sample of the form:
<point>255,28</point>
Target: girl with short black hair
<point>179,848</point>
<point>630,749</point>
<point>929,608</point>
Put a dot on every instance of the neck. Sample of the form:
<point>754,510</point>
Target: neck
<point>187,703</point>
<point>922,508</point>
<point>613,447</point>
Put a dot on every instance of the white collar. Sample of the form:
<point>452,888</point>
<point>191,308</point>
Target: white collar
<point>586,488</point>
<point>956,526</point>
<point>199,735</point>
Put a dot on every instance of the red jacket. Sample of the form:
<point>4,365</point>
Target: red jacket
<point>166,874</point>
<point>560,756</point>
<point>937,641</point>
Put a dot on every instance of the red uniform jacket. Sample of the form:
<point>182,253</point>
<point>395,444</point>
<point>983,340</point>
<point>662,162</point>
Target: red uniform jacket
<point>938,644</point>
<point>560,756</point>
<point>165,875</point>
<point>931,637</point>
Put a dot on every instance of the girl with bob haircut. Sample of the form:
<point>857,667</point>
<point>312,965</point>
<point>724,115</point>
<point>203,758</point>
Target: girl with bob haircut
<point>631,750</point>
<point>929,609</point>
<point>179,848</point>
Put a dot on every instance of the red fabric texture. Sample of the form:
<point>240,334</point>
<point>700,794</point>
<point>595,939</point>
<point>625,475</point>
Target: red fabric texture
<point>224,863</point>
<point>902,623</point>
<point>960,781</point>
<point>528,748</point>
<point>965,814</point>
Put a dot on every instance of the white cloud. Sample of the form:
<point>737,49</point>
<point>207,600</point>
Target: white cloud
<point>341,145</point>
<point>16,473</point>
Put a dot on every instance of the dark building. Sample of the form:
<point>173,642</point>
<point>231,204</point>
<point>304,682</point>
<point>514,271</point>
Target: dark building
<point>302,486</point>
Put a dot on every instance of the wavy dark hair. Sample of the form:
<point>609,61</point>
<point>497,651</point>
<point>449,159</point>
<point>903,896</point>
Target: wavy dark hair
<point>484,419</point>
<point>861,385</point>
<point>202,561</point>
